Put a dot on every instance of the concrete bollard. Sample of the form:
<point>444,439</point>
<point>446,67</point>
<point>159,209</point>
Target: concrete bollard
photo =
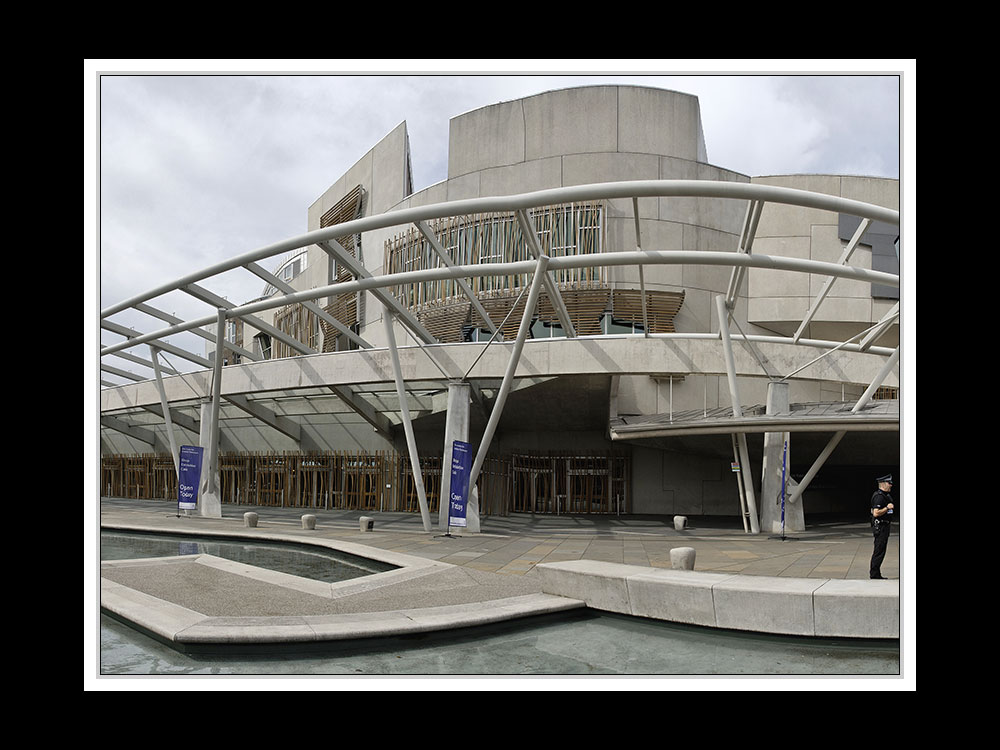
<point>682,558</point>
<point>680,523</point>
<point>250,519</point>
<point>367,523</point>
<point>308,521</point>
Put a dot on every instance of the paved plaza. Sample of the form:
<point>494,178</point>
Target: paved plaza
<point>513,545</point>
<point>485,571</point>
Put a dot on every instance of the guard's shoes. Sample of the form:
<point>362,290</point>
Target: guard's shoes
<point>879,578</point>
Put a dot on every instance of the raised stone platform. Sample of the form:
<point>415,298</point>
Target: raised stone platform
<point>788,606</point>
<point>195,600</point>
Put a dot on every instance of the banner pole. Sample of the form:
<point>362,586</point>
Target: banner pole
<point>784,463</point>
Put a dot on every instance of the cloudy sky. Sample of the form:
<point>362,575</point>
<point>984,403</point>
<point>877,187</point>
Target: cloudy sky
<point>188,170</point>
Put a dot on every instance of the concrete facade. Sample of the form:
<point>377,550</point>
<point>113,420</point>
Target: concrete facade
<point>569,389</point>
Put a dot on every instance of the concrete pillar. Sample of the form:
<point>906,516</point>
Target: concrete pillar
<point>775,461</point>
<point>209,504</point>
<point>456,427</point>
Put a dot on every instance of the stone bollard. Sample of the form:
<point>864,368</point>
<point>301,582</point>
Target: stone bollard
<point>308,521</point>
<point>250,519</point>
<point>682,558</point>
<point>680,523</point>
<point>367,523</point>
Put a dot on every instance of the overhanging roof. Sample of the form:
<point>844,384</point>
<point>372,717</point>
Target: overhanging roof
<point>813,417</point>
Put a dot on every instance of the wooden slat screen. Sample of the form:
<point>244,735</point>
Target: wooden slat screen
<point>661,308</point>
<point>347,308</point>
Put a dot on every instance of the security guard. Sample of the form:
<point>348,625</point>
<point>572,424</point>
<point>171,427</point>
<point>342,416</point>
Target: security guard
<point>882,508</point>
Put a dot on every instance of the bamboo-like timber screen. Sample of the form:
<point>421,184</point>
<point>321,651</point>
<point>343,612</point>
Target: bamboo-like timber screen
<point>299,323</point>
<point>347,308</point>
<point>384,481</point>
<point>303,325</point>
<point>570,229</point>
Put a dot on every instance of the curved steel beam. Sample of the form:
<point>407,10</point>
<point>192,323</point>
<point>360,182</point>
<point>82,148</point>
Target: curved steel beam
<point>597,191</point>
<point>669,257</point>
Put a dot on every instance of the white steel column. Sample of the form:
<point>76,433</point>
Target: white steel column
<point>844,257</point>
<point>642,278</point>
<point>837,437</point>
<point>879,379</point>
<point>165,405</point>
<point>879,328</point>
<point>739,483</point>
<point>411,442</point>
<point>432,240</point>
<point>750,221</point>
<point>522,333</point>
<point>727,348</point>
<point>531,239</point>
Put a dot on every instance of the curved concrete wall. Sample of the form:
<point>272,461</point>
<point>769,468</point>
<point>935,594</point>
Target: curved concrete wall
<point>778,301</point>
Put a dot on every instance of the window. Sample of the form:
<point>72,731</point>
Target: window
<point>262,345</point>
<point>543,330</point>
<point>610,325</point>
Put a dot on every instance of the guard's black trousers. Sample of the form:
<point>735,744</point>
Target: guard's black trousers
<point>881,532</point>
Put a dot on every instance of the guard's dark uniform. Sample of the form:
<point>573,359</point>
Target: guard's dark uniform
<point>880,528</point>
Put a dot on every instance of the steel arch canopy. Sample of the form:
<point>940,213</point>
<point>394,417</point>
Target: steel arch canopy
<point>604,190</point>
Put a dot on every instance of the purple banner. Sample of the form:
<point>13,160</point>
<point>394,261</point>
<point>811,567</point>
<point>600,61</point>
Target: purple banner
<point>461,464</point>
<point>188,476</point>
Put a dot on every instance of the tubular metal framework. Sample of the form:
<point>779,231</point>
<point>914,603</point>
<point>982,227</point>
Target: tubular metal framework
<point>415,216</point>
<point>540,267</point>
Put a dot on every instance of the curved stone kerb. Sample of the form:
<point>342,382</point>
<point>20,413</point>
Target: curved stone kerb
<point>789,606</point>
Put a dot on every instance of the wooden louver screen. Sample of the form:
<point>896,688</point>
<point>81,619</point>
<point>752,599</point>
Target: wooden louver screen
<point>661,308</point>
<point>343,307</point>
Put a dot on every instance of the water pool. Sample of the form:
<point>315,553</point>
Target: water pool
<point>577,644</point>
<point>305,561</point>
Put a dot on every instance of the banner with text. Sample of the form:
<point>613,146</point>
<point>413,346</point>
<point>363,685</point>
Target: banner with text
<point>461,464</point>
<point>189,476</point>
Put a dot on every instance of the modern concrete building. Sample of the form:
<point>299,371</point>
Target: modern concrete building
<point>613,324</point>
